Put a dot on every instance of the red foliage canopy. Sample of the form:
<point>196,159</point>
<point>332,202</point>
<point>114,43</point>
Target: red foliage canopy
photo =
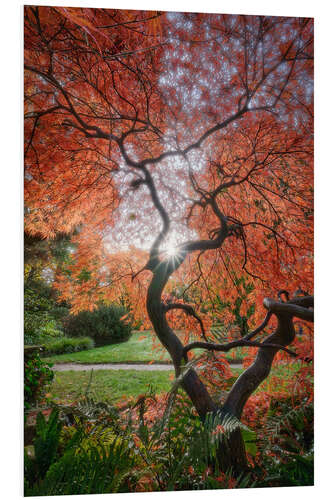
<point>146,131</point>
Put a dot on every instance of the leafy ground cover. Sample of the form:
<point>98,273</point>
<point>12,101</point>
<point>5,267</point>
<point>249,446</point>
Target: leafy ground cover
<point>96,447</point>
<point>141,347</point>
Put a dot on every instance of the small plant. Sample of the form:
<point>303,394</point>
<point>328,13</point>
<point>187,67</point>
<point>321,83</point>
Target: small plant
<point>45,447</point>
<point>37,376</point>
<point>106,325</point>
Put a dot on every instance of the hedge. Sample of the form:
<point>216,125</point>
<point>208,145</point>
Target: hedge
<point>67,345</point>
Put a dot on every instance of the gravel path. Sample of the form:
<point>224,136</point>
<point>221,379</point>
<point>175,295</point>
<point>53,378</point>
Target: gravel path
<point>116,366</point>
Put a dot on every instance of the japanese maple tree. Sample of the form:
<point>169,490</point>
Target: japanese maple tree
<point>179,149</point>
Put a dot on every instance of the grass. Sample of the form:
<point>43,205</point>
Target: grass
<point>115,385</point>
<point>107,385</point>
<point>142,347</point>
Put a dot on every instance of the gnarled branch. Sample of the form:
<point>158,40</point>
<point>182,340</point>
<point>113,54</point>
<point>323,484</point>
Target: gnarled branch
<point>301,308</point>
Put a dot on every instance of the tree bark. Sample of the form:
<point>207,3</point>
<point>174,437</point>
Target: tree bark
<point>231,453</point>
<point>253,376</point>
<point>191,381</point>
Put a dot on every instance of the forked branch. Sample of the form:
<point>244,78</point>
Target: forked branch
<point>255,374</point>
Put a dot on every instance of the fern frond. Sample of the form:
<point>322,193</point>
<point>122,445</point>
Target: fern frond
<point>294,419</point>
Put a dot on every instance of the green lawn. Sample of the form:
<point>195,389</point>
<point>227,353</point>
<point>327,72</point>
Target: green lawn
<point>107,385</point>
<point>139,348</point>
<point>114,385</point>
<point>142,347</point>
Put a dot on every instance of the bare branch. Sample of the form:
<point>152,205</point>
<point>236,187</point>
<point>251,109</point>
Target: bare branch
<point>260,327</point>
<point>232,345</point>
<point>190,311</point>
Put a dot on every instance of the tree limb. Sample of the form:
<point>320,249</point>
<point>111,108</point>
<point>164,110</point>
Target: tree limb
<point>302,309</point>
<point>190,311</point>
<point>235,343</point>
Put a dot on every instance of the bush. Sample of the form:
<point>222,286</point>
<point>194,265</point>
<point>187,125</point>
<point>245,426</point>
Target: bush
<point>41,317</point>
<point>104,325</point>
<point>37,376</point>
<point>67,345</point>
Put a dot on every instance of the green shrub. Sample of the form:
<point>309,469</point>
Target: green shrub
<point>68,345</point>
<point>37,376</point>
<point>104,325</point>
<point>41,317</point>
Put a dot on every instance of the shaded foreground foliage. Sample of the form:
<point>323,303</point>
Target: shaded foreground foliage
<point>98,448</point>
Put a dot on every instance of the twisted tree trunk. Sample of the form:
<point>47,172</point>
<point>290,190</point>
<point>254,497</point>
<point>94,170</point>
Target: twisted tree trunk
<point>191,381</point>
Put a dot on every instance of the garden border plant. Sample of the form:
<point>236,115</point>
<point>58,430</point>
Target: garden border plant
<point>65,345</point>
<point>37,376</point>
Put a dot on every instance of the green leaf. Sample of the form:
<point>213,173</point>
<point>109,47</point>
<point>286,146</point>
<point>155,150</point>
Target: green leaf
<point>250,439</point>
